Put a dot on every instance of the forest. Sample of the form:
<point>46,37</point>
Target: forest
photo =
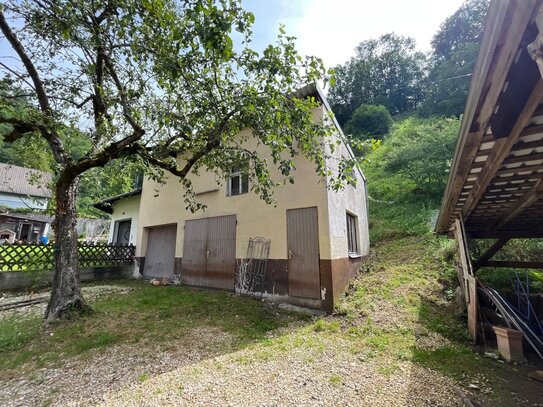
<point>405,108</point>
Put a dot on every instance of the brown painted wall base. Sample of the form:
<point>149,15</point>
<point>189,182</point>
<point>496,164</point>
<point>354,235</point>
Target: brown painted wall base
<point>334,275</point>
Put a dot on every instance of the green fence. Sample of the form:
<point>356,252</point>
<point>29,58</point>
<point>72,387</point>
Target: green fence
<point>39,257</point>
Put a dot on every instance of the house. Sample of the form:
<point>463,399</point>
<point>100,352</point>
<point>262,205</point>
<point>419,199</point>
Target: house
<point>495,187</point>
<point>26,227</point>
<point>318,237</point>
<point>124,210</point>
<point>24,188</point>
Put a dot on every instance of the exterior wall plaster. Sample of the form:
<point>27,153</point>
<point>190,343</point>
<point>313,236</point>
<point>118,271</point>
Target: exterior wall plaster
<point>124,209</point>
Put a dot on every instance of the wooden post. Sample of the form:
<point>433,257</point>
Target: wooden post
<point>535,49</point>
<point>470,283</point>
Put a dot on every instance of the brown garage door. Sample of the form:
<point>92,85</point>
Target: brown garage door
<point>160,255</point>
<point>303,253</point>
<point>209,252</point>
<point>194,252</point>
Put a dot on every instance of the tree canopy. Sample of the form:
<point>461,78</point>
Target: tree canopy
<point>389,71</point>
<point>463,27</point>
<point>416,156</point>
<point>454,51</point>
<point>385,71</point>
<point>369,121</point>
<point>161,81</point>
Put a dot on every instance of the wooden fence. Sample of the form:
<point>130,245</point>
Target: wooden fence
<point>39,257</point>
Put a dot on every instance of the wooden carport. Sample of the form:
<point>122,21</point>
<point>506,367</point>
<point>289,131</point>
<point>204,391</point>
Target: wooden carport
<point>495,187</point>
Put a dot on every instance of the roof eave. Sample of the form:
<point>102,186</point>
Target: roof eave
<point>494,24</point>
<point>106,205</point>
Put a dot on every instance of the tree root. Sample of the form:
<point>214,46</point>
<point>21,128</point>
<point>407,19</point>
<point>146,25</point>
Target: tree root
<point>69,310</point>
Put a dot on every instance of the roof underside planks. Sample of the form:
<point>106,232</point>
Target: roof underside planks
<point>496,180</point>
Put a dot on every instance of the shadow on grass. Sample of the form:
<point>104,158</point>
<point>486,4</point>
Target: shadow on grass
<point>456,358</point>
<point>505,384</point>
<point>146,316</point>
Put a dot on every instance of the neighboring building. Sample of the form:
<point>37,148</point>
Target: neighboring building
<point>24,188</point>
<point>124,210</point>
<point>29,227</point>
<point>318,237</point>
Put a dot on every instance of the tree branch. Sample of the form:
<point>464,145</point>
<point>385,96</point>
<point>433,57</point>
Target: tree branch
<point>54,141</point>
<point>30,68</point>
<point>124,101</point>
<point>20,128</point>
<point>213,142</point>
<point>17,74</point>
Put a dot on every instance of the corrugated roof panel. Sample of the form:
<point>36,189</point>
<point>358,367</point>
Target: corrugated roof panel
<point>24,181</point>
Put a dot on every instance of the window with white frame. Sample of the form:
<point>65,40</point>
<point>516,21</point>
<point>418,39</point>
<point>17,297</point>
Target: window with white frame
<point>238,182</point>
<point>352,234</point>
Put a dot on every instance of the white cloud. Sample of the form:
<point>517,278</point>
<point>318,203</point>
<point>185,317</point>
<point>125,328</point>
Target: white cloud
<point>331,29</point>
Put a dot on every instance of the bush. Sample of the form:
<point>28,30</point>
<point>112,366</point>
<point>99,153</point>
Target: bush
<point>413,162</point>
<point>369,121</point>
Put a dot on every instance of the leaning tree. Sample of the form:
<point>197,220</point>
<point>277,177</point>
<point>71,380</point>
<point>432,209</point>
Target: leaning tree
<point>171,83</point>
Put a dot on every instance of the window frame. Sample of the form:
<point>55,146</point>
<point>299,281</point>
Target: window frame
<point>239,174</point>
<point>353,242</point>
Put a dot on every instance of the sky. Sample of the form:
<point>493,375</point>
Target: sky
<point>331,29</point>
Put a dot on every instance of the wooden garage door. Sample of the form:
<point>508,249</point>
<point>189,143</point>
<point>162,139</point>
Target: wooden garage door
<point>209,252</point>
<point>303,253</point>
<point>160,255</point>
<point>194,252</point>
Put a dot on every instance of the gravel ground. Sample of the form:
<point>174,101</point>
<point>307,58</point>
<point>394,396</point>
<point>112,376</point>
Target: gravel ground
<point>84,381</point>
<point>319,375</point>
<point>297,366</point>
<point>316,373</point>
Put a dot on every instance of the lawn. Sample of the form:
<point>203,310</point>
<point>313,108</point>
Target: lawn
<point>147,316</point>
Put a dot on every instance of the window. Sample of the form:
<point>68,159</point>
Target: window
<point>238,182</point>
<point>352,234</point>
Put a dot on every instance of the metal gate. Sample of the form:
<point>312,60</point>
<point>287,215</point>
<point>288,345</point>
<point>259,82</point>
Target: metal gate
<point>209,252</point>
<point>160,255</point>
<point>303,253</point>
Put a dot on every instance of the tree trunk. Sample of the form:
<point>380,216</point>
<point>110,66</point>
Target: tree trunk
<point>66,297</point>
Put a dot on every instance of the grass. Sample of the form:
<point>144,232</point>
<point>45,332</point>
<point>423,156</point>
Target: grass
<point>502,278</point>
<point>392,220</point>
<point>457,361</point>
<point>396,314</point>
<point>335,379</point>
<point>147,315</point>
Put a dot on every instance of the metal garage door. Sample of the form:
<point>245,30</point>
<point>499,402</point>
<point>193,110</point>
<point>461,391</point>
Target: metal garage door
<point>160,255</point>
<point>209,252</point>
<point>303,253</point>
